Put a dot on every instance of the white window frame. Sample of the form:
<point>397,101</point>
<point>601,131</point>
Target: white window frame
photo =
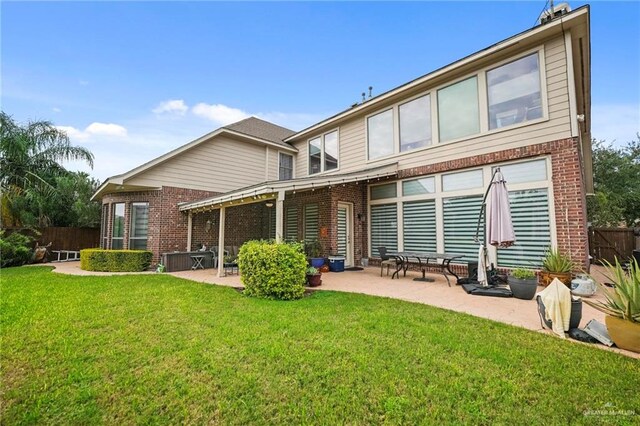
<point>322,153</point>
<point>483,104</point>
<point>293,165</point>
<point>439,195</point>
<point>130,236</point>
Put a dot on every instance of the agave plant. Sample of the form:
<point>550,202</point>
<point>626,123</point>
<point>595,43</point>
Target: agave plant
<point>556,262</point>
<point>622,301</point>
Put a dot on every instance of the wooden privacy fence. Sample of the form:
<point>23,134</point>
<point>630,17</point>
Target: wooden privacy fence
<point>611,243</point>
<point>63,238</point>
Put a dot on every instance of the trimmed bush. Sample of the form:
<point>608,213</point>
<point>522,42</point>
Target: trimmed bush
<point>273,270</point>
<point>15,250</point>
<point>114,260</point>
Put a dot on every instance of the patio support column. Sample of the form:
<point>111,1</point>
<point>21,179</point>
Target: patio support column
<point>279,215</point>
<point>189,230</point>
<point>221,242</point>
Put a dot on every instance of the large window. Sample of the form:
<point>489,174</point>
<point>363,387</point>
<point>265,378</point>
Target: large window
<point>291,224</point>
<point>514,92</point>
<point>105,226</point>
<point>458,110</point>
<point>323,153</point>
<point>530,215</point>
<point>139,226</point>
<point>419,226</point>
<point>440,212</point>
<point>380,134</point>
<point>117,234</point>
<point>384,227</point>
<point>415,123</point>
<point>310,223</point>
<point>460,216</point>
<point>285,167</point>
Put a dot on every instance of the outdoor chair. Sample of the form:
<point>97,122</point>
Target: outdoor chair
<point>386,260</point>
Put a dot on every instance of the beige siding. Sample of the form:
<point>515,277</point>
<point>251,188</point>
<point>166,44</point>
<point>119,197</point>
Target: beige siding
<point>221,164</point>
<point>353,134</point>
<point>274,156</point>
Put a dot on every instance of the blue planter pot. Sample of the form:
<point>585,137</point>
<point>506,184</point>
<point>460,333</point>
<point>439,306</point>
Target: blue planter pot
<point>317,262</point>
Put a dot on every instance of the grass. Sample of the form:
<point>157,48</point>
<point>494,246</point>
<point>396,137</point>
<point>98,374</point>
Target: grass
<point>157,349</point>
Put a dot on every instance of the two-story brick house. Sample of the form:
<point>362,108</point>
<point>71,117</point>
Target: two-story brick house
<point>406,169</point>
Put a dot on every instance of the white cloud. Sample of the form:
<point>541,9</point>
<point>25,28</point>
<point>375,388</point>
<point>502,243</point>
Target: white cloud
<point>218,113</point>
<point>172,106</point>
<point>83,82</point>
<point>55,109</point>
<point>106,129</point>
<point>95,130</point>
<point>615,122</point>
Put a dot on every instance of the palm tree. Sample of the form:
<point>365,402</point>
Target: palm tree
<point>30,156</point>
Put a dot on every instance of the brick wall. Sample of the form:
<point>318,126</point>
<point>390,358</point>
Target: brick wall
<point>167,225</point>
<point>568,188</point>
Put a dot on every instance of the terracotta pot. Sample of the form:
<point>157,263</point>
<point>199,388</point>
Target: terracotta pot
<point>314,280</point>
<point>625,334</point>
<point>545,278</point>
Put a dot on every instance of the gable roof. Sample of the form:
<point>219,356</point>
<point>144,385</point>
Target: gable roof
<point>252,129</point>
<point>262,129</point>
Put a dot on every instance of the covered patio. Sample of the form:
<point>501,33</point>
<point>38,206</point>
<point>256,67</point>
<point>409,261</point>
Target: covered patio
<point>330,208</point>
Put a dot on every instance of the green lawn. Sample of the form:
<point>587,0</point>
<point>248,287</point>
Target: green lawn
<point>157,349</point>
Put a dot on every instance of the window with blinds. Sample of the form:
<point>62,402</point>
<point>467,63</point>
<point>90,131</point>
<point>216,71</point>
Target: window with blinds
<point>342,231</point>
<point>460,216</point>
<point>117,227</point>
<point>310,223</point>
<point>139,226</point>
<point>272,223</point>
<point>384,227</point>
<point>105,226</point>
<point>291,224</point>
<point>530,216</point>
<point>419,219</point>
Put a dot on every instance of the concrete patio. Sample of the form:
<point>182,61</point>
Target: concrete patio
<point>521,313</point>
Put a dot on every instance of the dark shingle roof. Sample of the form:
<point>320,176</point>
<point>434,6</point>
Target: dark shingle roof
<point>258,128</point>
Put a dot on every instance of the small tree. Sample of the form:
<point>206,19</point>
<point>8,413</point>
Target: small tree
<point>616,181</point>
<point>273,270</point>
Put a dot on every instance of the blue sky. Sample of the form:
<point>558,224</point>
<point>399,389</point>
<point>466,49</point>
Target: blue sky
<point>132,80</point>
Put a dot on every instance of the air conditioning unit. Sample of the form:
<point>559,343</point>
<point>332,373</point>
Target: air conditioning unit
<point>553,13</point>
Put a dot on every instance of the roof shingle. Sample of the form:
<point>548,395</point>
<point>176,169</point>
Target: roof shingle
<point>258,128</point>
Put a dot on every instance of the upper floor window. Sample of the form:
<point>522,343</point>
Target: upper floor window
<point>415,123</point>
<point>458,110</point>
<point>323,153</point>
<point>380,134</point>
<point>285,167</point>
<point>514,92</point>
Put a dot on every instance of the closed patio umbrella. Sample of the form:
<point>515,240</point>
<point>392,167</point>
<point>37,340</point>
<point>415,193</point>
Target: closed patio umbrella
<point>500,227</point>
<point>500,232</point>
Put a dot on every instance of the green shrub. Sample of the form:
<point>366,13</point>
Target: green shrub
<point>523,274</point>
<point>114,260</point>
<point>15,250</point>
<point>273,270</point>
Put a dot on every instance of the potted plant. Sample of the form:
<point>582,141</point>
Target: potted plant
<point>313,249</point>
<point>622,305</point>
<point>523,283</point>
<point>556,265</point>
<point>313,277</point>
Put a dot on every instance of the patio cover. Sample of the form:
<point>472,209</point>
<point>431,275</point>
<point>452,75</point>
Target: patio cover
<point>270,189</point>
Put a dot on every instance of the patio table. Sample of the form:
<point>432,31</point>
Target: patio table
<point>441,261</point>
